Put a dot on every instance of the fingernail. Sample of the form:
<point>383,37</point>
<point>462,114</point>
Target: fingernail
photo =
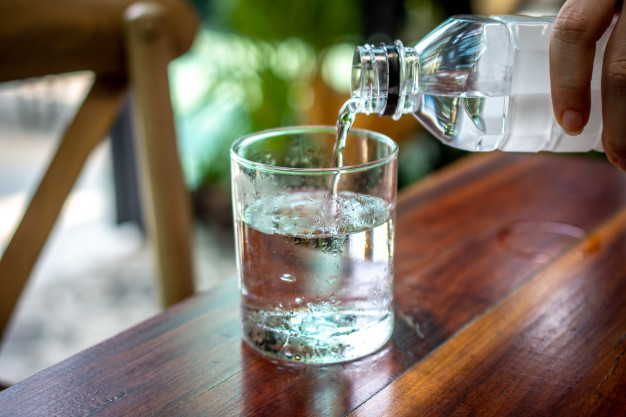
<point>573,122</point>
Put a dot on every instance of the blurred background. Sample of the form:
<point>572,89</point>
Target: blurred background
<point>255,64</point>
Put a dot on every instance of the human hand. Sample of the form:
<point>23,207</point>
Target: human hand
<point>578,26</point>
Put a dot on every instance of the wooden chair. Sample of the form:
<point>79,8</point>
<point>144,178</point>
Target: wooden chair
<point>127,44</point>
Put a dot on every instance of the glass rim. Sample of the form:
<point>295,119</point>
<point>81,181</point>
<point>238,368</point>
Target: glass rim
<point>291,130</point>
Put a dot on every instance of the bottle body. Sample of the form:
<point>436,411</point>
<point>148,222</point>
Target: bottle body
<point>476,83</point>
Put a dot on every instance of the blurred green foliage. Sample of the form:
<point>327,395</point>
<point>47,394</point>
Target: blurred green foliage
<point>251,68</point>
<point>319,23</point>
<point>248,71</point>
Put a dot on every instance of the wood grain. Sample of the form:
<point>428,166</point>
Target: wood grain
<point>459,264</point>
<point>555,345</point>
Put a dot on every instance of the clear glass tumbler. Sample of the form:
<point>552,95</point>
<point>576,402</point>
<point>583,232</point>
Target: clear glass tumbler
<point>315,243</point>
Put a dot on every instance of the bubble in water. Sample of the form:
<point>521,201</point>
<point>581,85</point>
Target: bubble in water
<point>288,278</point>
<point>298,300</point>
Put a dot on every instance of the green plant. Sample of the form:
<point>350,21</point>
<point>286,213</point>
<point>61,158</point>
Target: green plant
<point>248,71</point>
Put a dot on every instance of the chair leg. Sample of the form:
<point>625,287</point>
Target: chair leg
<point>166,202</point>
<point>92,123</point>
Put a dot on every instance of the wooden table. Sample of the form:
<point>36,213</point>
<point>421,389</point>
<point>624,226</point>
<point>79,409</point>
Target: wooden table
<point>510,300</point>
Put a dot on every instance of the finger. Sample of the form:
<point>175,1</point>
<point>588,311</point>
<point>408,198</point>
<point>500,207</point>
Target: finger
<point>614,95</point>
<point>578,26</point>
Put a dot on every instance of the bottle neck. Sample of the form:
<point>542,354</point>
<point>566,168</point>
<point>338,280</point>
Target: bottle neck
<point>382,76</point>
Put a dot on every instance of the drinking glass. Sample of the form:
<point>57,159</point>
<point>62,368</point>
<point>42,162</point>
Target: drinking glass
<point>314,242</point>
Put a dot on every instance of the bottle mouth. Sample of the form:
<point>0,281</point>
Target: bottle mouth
<point>357,68</point>
<point>376,73</point>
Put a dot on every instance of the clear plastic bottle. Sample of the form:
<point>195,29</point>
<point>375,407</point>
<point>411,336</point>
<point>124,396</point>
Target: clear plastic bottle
<point>476,83</point>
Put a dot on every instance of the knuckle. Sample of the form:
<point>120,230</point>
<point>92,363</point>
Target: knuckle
<point>572,84</point>
<point>614,76</point>
<point>571,27</point>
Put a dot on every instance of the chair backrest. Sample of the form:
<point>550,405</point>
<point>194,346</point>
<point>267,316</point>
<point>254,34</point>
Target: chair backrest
<point>126,43</point>
<point>41,37</point>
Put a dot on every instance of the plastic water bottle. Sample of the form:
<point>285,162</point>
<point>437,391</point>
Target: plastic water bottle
<point>476,83</point>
